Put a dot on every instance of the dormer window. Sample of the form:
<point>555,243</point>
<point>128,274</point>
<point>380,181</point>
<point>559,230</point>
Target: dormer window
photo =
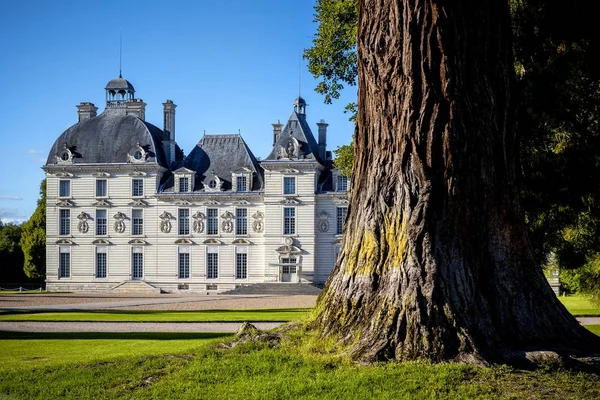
<point>137,155</point>
<point>184,184</point>
<point>184,180</point>
<point>212,184</point>
<point>241,184</point>
<point>342,183</point>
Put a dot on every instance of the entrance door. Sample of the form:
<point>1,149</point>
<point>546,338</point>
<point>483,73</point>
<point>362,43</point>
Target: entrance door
<point>137,266</point>
<point>289,270</point>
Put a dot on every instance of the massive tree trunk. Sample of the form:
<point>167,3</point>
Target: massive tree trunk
<point>436,263</point>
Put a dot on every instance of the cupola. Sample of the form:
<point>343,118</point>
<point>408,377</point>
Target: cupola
<point>118,92</point>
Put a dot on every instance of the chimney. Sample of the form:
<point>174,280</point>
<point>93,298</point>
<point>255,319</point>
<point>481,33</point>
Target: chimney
<point>322,138</point>
<point>136,107</point>
<point>169,119</point>
<point>277,127</point>
<point>86,110</point>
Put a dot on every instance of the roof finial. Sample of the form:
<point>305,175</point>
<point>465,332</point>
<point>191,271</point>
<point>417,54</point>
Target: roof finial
<point>299,72</point>
<point>121,54</point>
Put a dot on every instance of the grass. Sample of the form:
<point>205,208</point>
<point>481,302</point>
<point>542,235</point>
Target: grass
<point>255,315</point>
<point>580,306</point>
<point>188,366</point>
<point>595,329</point>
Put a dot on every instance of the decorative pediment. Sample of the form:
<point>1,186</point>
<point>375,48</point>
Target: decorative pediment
<point>139,203</point>
<point>289,170</point>
<point>241,203</point>
<point>65,242</point>
<point>290,200</point>
<point>242,170</point>
<point>183,203</point>
<point>101,174</point>
<point>65,203</point>
<point>241,241</point>
<point>288,250</point>
<point>137,241</point>
<point>290,149</point>
<point>102,203</point>
<point>341,201</point>
<point>211,203</point>
<point>137,173</point>
<point>183,170</point>
<point>184,241</point>
<point>63,174</point>
<point>212,241</point>
<point>101,242</point>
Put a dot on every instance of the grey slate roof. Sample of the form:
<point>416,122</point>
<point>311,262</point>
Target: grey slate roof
<point>222,154</point>
<point>119,83</point>
<point>298,128</point>
<point>109,138</point>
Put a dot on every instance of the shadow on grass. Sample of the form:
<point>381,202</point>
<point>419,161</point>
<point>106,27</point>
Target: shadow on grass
<point>5,335</point>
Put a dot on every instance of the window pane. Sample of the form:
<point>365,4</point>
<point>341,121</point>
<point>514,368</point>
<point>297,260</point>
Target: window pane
<point>289,185</point>
<point>184,221</point>
<point>289,221</point>
<point>242,184</point>
<point>64,222</point>
<point>137,263</point>
<point>212,221</point>
<point>101,222</point>
<point>241,265</point>
<point>100,265</point>
<point>184,185</point>
<point>184,265</point>
<point>64,264</point>
<point>341,217</point>
<point>342,183</point>
<point>241,221</point>
<point>137,222</point>
<point>212,265</point>
<point>64,188</point>
<point>101,188</point>
<point>137,187</point>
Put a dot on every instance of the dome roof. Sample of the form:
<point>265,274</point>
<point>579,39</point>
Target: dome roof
<point>120,84</point>
<point>299,100</point>
<point>109,138</point>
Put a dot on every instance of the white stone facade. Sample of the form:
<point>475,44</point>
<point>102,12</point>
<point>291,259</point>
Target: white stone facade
<point>139,210</point>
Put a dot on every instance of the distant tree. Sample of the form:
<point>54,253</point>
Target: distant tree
<point>11,256</point>
<point>33,239</point>
<point>344,158</point>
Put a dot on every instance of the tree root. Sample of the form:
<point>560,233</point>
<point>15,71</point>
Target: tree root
<point>250,333</point>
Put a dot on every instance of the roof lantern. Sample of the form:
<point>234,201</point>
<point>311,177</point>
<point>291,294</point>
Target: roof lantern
<point>118,92</point>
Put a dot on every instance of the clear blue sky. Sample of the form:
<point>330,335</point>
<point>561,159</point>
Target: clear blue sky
<point>229,65</point>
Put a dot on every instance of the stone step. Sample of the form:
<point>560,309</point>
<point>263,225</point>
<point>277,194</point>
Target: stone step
<point>289,289</point>
<point>135,287</point>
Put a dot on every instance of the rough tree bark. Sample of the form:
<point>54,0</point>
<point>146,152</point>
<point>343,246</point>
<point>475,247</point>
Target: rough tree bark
<point>436,263</point>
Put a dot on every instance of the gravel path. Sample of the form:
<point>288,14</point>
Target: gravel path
<point>117,327</point>
<point>82,302</point>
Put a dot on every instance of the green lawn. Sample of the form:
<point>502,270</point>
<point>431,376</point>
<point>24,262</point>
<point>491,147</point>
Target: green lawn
<point>187,366</point>
<point>255,315</point>
<point>580,306</point>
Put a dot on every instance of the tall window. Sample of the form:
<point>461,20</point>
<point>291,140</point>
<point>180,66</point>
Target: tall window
<point>212,221</point>
<point>101,188</point>
<point>137,187</point>
<point>64,226</point>
<point>137,222</point>
<point>184,221</point>
<point>184,262</point>
<point>241,263</point>
<point>212,263</point>
<point>64,262</point>
<point>289,221</point>
<point>101,222</point>
<point>342,183</point>
<point>341,217</point>
<point>289,185</point>
<point>100,262</point>
<point>137,263</point>
<point>64,188</point>
<point>241,221</point>
<point>184,184</point>
<point>241,184</point>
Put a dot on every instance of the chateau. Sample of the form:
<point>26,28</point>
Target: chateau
<point>125,204</point>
